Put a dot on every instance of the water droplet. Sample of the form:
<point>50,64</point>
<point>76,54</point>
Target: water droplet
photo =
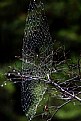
<point>18,73</point>
<point>8,74</point>
<point>5,84</point>
<point>13,70</point>
<point>2,85</point>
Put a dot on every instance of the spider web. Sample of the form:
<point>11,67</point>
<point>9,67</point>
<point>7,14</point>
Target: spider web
<point>40,61</point>
<point>37,54</point>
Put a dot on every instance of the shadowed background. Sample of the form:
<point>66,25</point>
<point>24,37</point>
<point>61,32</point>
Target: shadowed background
<point>64,18</point>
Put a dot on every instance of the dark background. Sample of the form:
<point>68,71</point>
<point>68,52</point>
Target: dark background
<point>64,18</point>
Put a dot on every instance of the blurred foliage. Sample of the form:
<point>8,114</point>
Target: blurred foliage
<point>64,18</point>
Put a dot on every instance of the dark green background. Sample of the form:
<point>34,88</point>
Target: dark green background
<point>64,18</point>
